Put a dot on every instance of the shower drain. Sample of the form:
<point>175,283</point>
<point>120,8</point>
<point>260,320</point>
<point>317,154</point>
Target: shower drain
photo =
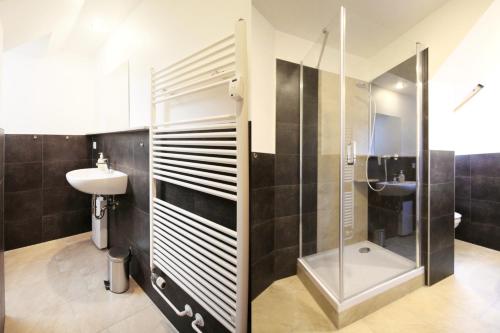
<point>364,250</point>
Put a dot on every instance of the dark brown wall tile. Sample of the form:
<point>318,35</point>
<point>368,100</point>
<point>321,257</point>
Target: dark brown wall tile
<point>215,209</point>
<point>462,165</point>
<point>25,205</point>
<point>2,228</point>
<point>310,109</point>
<point>442,199</point>
<point>463,187</point>
<point>65,224</point>
<point>23,176</point>
<point>487,212</point>
<point>263,204</point>
<point>119,149</point>
<point>140,147</point>
<point>37,185</point>
<point>23,232</point>
<point>442,166</point>
<point>285,262</point>
<point>140,235</point>
<point>261,275</point>
<point>23,148</point>
<point>61,199</point>
<point>262,170</point>
<point>287,170</point>
<point>286,231</point>
<point>309,198</point>
<point>54,173</point>
<point>287,92</point>
<point>310,169</point>
<point>463,206</point>
<point>65,148</point>
<point>485,188</point>
<point>309,227</point>
<point>442,232</point>
<point>139,187</point>
<point>286,200</point>
<point>485,235</point>
<point>261,240</point>
<point>485,165</point>
<point>310,140</point>
<point>442,263</point>
<point>480,218</point>
<point>287,138</point>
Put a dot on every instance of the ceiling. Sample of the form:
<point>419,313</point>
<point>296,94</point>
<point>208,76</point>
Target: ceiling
<point>400,79</point>
<point>371,24</point>
<point>76,25</point>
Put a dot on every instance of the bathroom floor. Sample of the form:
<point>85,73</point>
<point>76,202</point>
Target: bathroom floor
<point>57,286</point>
<point>468,301</point>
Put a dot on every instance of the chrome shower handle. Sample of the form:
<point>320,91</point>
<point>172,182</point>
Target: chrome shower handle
<point>351,153</point>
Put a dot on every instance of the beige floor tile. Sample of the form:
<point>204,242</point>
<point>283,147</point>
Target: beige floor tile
<point>100,309</point>
<point>468,301</point>
<point>56,319</point>
<point>57,287</point>
<point>149,320</point>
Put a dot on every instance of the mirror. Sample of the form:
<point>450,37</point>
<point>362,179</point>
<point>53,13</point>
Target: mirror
<point>387,140</point>
<point>394,103</point>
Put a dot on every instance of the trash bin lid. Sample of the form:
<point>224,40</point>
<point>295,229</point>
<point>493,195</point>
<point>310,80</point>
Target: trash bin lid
<point>118,254</point>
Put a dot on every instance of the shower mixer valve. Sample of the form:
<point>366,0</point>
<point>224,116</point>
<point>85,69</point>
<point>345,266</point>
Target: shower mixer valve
<point>351,153</point>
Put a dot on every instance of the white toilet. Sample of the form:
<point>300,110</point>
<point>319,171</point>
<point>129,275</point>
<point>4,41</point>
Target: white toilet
<point>458,219</point>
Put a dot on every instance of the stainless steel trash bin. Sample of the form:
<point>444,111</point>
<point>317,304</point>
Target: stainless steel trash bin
<point>118,269</point>
<point>379,237</point>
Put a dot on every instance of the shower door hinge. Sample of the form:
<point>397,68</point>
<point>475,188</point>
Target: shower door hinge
<point>351,153</point>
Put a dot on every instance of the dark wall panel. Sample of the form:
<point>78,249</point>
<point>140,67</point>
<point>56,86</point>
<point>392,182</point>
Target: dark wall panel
<point>275,182</point>
<point>477,191</point>
<point>40,205</point>
<point>2,234</point>
<point>438,253</point>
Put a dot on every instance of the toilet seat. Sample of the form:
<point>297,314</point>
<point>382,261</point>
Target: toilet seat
<point>458,219</point>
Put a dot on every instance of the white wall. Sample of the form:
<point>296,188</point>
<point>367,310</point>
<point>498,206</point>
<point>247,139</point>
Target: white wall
<point>475,127</point>
<point>111,111</point>
<point>442,31</point>
<point>262,84</point>
<point>159,32</point>
<point>46,94</point>
<point>1,64</point>
<point>58,92</point>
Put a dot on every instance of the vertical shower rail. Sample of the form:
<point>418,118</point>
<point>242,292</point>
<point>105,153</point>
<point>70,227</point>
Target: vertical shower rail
<point>209,154</point>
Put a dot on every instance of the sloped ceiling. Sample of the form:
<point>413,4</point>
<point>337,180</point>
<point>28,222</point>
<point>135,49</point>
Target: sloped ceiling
<point>371,24</point>
<point>69,23</point>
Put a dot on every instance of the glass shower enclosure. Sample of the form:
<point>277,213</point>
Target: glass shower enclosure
<point>361,165</point>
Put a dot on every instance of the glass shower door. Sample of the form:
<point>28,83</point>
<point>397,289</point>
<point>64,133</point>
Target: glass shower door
<point>320,156</point>
<point>359,160</point>
<point>378,156</point>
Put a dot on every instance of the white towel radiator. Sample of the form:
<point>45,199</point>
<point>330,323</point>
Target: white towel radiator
<point>203,147</point>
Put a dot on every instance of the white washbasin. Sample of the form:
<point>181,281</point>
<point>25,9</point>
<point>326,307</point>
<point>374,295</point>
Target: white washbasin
<point>95,181</point>
<point>396,188</point>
